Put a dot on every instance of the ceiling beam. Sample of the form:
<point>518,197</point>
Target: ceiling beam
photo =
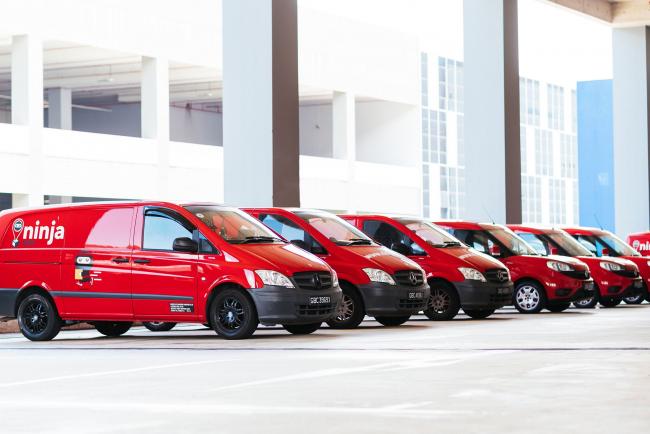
<point>599,9</point>
<point>631,13</point>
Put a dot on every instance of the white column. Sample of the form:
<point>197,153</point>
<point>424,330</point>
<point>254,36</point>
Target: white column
<point>59,108</point>
<point>630,106</point>
<point>154,114</point>
<point>344,126</point>
<point>491,80</point>
<point>260,102</point>
<point>27,109</point>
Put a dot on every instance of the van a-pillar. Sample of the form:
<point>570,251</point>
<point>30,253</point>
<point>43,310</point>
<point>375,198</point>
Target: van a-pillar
<point>493,173</point>
<point>260,103</point>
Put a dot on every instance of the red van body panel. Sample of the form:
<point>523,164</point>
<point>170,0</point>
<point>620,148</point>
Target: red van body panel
<point>558,286</point>
<point>640,242</point>
<point>444,263</point>
<point>91,259</point>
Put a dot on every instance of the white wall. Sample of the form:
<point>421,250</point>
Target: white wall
<point>316,130</point>
<point>5,116</point>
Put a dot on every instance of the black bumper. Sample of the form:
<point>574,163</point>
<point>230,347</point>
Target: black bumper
<point>8,301</point>
<point>587,291</point>
<point>381,299</point>
<point>280,305</point>
<point>636,288</point>
<point>484,295</point>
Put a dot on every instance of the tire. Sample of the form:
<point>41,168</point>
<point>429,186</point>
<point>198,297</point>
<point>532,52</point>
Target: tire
<point>529,297</point>
<point>158,326</point>
<point>392,321</point>
<point>478,313</point>
<point>301,329</point>
<point>233,314</point>
<point>588,303</point>
<point>38,318</point>
<point>610,302</point>
<point>444,303</point>
<point>113,328</point>
<point>351,310</point>
<point>637,299</point>
<point>558,306</point>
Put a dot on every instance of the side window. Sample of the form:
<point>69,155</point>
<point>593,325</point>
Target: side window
<point>476,240</point>
<point>588,244</point>
<point>292,232</point>
<point>161,229</point>
<point>540,246</point>
<point>387,235</point>
<point>206,246</point>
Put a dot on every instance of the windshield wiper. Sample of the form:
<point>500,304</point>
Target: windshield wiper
<point>258,239</point>
<point>353,241</point>
<point>452,244</point>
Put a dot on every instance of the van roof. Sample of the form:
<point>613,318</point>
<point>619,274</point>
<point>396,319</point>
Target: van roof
<point>116,203</point>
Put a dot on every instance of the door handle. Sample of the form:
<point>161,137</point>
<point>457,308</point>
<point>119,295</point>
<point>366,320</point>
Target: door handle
<point>141,261</point>
<point>120,260</point>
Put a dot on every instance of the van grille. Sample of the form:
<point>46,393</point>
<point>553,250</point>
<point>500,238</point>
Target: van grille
<point>577,274</point>
<point>497,275</point>
<point>313,280</point>
<point>501,298</point>
<point>314,310</point>
<point>409,277</point>
<point>627,273</point>
<point>405,303</point>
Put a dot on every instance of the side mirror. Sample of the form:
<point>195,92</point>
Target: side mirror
<point>605,251</point>
<point>495,250</point>
<point>300,243</point>
<point>402,249</point>
<point>185,244</point>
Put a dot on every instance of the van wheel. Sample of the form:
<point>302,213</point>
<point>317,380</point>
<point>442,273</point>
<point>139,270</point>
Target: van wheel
<point>301,329</point>
<point>233,314</point>
<point>351,311</point>
<point>529,297</point>
<point>610,302</point>
<point>392,321</point>
<point>478,313</point>
<point>38,319</point>
<point>444,302</point>
<point>158,326</point>
<point>588,303</point>
<point>558,306</point>
<point>637,299</point>
<point>113,328</point>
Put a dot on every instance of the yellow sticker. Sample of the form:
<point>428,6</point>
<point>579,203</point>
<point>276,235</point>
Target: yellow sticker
<point>77,274</point>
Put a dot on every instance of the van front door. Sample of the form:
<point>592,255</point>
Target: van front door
<point>164,281</point>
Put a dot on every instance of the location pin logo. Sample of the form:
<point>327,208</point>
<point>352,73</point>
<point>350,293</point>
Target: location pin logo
<point>17,228</point>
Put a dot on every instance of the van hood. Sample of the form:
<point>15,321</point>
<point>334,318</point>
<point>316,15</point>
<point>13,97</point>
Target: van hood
<point>473,257</point>
<point>285,258</point>
<point>382,258</point>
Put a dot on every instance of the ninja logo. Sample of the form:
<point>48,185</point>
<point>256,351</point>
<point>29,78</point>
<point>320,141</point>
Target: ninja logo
<point>47,233</point>
<point>17,228</point>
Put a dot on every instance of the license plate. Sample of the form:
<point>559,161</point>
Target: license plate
<point>503,290</point>
<point>638,283</point>
<point>589,286</point>
<point>415,295</point>
<point>319,300</point>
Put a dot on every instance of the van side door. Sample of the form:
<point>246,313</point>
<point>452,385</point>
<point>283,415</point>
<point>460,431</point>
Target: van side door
<point>164,280</point>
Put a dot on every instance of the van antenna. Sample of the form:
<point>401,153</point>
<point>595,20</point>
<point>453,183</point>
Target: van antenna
<point>598,221</point>
<point>488,214</point>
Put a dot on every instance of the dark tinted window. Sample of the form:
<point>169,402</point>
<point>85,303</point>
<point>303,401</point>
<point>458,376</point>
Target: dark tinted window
<point>292,232</point>
<point>475,239</point>
<point>538,243</point>
<point>205,246</point>
<point>162,228</point>
<point>387,235</point>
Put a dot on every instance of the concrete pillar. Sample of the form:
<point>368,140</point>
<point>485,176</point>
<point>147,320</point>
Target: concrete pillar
<point>343,126</point>
<point>260,102</point>
<point>491,74</point>
<point>27,109</point>
<point>154,114</point>
<point>630,58</point>
<point>59,108</point>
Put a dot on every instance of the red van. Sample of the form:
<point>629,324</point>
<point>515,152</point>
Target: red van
<point>640,242</point>
<point>375,280</point>
<point>110,264</point>
<point>551,282</point>
<point>614,278</point>
<point>604,243</point>
<point>458,276</point>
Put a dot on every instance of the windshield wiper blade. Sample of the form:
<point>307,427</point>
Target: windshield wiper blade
<point>259,239</point>
<point>353,241</point>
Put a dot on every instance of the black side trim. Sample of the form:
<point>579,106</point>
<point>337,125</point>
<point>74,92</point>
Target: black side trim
<point>80,294</point>
<point>8,301</point>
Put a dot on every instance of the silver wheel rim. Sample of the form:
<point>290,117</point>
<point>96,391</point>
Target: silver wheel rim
<point>156,323</point>
<point>528,297</point>
<point>346,309</point>
<point>585,302</point>
<point>439,301</point>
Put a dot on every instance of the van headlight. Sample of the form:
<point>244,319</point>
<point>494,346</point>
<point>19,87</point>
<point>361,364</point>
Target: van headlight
<point>611,266</point>
<point>335,279</point>
<point>379,276</point>
<point>559,266</point>
<point>273,278</point>
<point>471,274</point>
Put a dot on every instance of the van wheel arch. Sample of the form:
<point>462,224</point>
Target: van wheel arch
<point>26,292</point>
<point>220,287</point>
<point>351,286</point>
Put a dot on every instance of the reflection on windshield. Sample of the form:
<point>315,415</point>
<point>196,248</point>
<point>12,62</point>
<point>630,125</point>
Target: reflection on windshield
<point>335,228</point>
<point>430,233</point>
<point>567,243</point>
<point>617,245</point>
<point>234,226</point>
<point>512,242</point>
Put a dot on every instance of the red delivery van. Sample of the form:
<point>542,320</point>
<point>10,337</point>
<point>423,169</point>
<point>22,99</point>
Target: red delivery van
<point>604,243</point>
<point>551,282</point>
<point>614,278</point>
<point>458,276</point>
<point>111,264</point>
<point>640,242</point>
<point>375,280</point>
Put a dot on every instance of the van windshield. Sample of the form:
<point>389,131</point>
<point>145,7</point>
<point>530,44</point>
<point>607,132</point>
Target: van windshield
<point>615,244</point>
<point>512,242</point>
<point>234,226</point>
<point>335,228</point>
<point>567,243</point>
<point>433,235</point>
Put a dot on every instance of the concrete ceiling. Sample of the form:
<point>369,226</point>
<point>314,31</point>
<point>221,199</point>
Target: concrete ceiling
<point>620,13</point>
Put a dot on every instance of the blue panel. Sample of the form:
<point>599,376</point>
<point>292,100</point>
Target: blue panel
<point>596,153</point>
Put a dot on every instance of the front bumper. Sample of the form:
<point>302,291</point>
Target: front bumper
<point>484,295</point>
<point>280,305</point>
<point>381,299</point>
<point>581,290</point>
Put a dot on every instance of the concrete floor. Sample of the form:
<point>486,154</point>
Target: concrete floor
<point>579,371</point>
